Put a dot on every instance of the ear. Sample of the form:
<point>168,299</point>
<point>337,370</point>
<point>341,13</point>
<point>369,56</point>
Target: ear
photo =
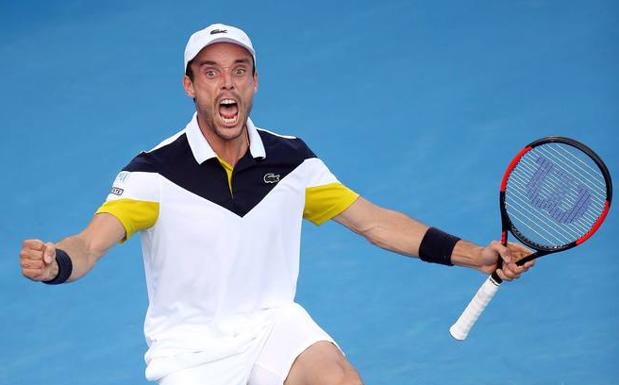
<point>255,82</point>
<point>188,86</point>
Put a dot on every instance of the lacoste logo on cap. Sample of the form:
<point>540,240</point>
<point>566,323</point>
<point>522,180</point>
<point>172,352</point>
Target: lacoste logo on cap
<point>271,178</point>
<point>216,31</point>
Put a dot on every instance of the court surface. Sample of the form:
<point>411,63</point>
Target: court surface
<point>416,105</point>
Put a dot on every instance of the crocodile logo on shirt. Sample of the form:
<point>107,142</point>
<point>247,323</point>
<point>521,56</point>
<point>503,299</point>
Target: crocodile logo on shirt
<point>271,178</point>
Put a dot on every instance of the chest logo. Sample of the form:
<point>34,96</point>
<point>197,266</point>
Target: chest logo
<point>271,178</point>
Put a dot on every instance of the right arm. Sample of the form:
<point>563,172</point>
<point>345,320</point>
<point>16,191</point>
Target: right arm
<point>38,259</point>
<point>397,232</point>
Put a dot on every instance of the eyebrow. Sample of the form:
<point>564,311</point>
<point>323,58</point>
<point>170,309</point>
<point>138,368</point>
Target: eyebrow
<point>237,61</point>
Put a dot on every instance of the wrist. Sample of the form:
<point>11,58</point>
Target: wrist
<point>63,268</point>
<point>467,254</point>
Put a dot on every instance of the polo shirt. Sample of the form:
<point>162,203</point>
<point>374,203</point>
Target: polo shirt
<point>219,241</point>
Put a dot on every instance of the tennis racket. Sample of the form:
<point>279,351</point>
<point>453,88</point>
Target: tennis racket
<point>554,195</point>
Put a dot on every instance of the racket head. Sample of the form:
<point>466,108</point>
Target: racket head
<point>554,195</point>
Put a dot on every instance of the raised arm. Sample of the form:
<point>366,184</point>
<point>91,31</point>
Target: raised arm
<point>39,260</point>
<point>397,232</point>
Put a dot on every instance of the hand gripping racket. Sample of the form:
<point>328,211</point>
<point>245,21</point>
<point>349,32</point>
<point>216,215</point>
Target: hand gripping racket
<point>554,195</point>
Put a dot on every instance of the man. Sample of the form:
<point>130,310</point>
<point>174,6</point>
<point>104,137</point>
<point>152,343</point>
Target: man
<point>219,206</point>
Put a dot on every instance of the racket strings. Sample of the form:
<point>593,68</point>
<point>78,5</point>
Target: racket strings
<point>593,175</point>
<point>577,199</point>
<point>597,182</point>
<point>580,226</point>
<point>554,195</point>
<point>576,221</point>
<point>579,185</point>
<point>521,207</point>
<point>571,199</point>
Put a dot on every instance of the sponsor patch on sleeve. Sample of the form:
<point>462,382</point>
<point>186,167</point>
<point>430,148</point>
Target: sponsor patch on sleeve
<point>122,177</point>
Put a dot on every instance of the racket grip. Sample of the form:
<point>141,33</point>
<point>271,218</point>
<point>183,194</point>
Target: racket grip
<point>469,316</point>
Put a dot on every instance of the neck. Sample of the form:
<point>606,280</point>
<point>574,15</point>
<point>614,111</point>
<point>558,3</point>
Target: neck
<point>230,150</point>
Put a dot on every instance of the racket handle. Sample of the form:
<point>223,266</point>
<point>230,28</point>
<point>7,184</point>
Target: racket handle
<point>469,316</point>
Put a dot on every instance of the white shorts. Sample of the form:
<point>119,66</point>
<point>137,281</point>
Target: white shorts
<point>292,332</point>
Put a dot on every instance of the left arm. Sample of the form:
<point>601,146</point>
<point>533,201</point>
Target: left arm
<point>397,232</point>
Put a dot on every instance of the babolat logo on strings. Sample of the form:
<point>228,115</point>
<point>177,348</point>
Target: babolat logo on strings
<point>556,192</point>
<point>271,178</point>
<point>216,31</point>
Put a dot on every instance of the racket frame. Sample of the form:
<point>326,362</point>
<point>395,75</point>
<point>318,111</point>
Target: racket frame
<point>469,316</point>
<point>506,223</point>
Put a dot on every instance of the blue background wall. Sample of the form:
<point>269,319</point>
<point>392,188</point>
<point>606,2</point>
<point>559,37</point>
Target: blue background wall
<point>417,105</point>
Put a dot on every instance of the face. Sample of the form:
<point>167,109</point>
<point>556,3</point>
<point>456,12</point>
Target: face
<point>223,87</point>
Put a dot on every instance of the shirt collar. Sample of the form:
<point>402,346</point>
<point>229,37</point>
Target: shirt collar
<point>202,150</point>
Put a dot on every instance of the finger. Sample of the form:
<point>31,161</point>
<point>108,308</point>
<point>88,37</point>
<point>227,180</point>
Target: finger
<point>34,244</point>
<point>509,276</point>
<point>496,248</point>
<point>515,267</point>
<point>524,268</point>
<point>31,254</point>
<point>514,270</point>
<point>31,264</point>
<point>49,253</point>
<point>512,275</point>
<point>502,275</point>
<point>519,247</point>
<point>519,251</point>
<point>33,274</point>
<point>503,251</point>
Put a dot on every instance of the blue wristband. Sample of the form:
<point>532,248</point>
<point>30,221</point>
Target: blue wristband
<point>65,268</point>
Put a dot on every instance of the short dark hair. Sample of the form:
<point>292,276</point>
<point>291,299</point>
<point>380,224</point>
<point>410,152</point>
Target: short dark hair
<point>189,71</point>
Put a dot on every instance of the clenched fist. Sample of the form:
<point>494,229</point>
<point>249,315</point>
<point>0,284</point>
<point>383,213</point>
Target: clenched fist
<point>38,260</point>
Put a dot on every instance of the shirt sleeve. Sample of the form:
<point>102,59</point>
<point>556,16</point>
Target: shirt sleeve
<point>134,200</point>
<point>325,196</point>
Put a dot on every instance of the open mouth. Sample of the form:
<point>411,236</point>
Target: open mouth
<point>229,111</point>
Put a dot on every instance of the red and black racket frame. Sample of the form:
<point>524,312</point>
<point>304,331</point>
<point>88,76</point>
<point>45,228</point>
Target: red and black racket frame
<point>506,224</point>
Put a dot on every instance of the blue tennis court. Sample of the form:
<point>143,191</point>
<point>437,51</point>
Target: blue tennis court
<point>416,105</point>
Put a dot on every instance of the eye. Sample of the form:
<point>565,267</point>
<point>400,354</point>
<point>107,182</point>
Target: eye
<point>211,73</point>
<point>240,71</point>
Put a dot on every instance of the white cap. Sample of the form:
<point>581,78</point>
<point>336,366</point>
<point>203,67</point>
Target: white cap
<point>217,33</point>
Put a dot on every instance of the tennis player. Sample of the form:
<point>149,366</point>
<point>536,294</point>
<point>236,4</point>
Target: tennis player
<point>219,206</point>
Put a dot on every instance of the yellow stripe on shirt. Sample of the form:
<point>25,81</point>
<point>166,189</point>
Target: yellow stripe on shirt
<point>228,167</point>
<point>327,201</point>
<point>135,215</point>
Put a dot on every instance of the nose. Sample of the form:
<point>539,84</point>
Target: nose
<point>228,80</point>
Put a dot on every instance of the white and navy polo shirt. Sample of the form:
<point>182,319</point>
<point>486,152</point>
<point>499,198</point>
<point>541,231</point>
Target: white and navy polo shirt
<point>219,241</point>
